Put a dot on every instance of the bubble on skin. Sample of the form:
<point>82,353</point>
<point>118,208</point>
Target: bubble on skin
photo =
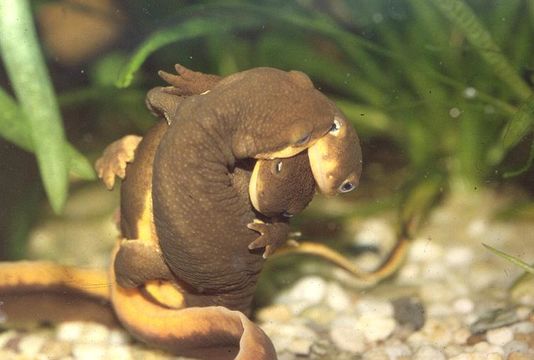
<point>455,112</point>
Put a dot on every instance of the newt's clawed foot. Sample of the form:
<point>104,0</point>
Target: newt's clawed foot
<point>188,82</point>
<point>272,236</point>
<point>115,158</point>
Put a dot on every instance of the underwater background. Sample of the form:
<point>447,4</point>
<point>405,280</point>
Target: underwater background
<point>441,93</point>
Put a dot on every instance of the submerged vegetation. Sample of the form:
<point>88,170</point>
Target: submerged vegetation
<point>441,92</point>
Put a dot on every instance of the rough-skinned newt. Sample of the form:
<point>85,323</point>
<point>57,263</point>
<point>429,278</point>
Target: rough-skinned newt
<point>236,295</point>
<point>288,150</point>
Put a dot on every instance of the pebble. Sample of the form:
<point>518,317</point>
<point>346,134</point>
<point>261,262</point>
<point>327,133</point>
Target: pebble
<point>308,291</point>
<point>410,274</point>
<point>69,331</point>
<point>409,311</point>
<point>283,335</point>
<point>500,336</point>
<point>463,305</point>
<point>375,307</point>
<point>336,297</point>
<point>85,351</point>
<point>515,346</point>
<point>274,313</point>
<point>427,352</point>
<point>424,250</point>
<point>119,352</point>
<point>458,256</point>
<point>118,337</point>
<point>519,356</point>
<point>398,350</point>
<point>301,347</point>
<point>346,336</point>
<point>524,327</point>
<point>374,327</point>
<point>461,335</point>
<point>31,345</point>
<point>319,314</point>
<point>376,354</point>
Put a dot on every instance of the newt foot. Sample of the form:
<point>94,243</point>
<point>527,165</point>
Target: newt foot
<point>188,82</point>
<point>272,236</point>
<point>115,158</point>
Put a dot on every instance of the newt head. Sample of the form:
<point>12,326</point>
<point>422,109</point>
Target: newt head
<point>282,186</point>
<point>269,113</point>
<point>336,159</point>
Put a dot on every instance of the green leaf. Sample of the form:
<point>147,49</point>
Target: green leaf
<point>523,168</point>
<point>14,127</point>
<point>28,74</point>
<point>516,261</point>
<point>519,125</point>
<point>187,30</point>
<point>463,17</point>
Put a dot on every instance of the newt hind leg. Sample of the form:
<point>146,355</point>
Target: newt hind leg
<point>137,262</point>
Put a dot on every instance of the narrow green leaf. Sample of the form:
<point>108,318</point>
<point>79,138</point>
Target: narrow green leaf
<point>28,74</point>
<point>187,30</point>
<point>516,261</point>
<point>14,127</point>
<point>523,168</point>
<point>463,17</point>
<point>519,125</point>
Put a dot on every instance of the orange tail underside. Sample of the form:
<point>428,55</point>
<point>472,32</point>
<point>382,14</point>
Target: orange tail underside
<point>44,291</point>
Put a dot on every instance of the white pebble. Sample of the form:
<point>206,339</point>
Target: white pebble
<point>346,336</point>
<point>458,256</point>
<point>376,354</point>
<point>500,336</point>
<point>427,352</point>
<point>374,307</point>
<point>119,352</point>
<point>477,356</point>
<point>438,310</point>
<point>69,331</point>
<point>524,327</point>
<point>410,274</point>
<point>31,345</point>
<point>5,336</point>
<point>301,347</point>
<point>310,290</point>
<point>88,352</point>
<point>434,271</point>
<point>95,333</point>
<point>376,328</point>
<point>515,346</point>
<point>398,350</point>
<point>424,250</point>
<point>438,332</point>
<point>336,297</point>
<point>461,335</point>
<point>118,337</point>
<point>463,305</point>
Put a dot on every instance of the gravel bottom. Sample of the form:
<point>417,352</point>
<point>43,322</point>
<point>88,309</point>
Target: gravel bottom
<point>451,300</point>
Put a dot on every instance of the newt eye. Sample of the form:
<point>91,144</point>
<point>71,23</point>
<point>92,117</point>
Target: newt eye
<point>336,126</point>
<point>346,187</point>
<point>303,140</point>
